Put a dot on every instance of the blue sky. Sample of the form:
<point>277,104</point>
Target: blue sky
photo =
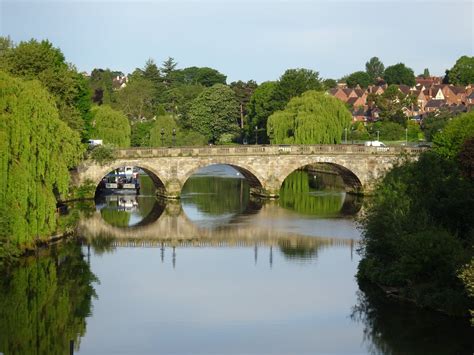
<point>248,39</point>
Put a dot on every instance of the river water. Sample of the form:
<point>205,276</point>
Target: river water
<point>219,272</point>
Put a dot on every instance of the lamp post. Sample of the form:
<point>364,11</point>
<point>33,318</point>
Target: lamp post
<point>271,135</point>
<point>406,137</point>
<point>162,136</point>
<point>256,135</point>
<point>174,137</point>
<point>345,135</point>
<point>378,135</point>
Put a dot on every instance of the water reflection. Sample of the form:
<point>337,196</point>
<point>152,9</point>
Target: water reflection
<point>44,302</point>
<point>301,192</point>
<point>391,327</point>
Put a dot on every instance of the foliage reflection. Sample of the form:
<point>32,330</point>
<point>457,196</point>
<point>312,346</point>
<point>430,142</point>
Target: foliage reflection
<point>45,301</point>
<point>393,327</point>
<point>301,192</point>
<point>217,195</point>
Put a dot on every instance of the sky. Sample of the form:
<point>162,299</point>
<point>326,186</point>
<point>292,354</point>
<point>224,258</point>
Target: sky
<point>247,39</point>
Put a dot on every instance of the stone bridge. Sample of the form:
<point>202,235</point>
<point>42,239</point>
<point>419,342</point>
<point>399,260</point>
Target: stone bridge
<point>264,166</point>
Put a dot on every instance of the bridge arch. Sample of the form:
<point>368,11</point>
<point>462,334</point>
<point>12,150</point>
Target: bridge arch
<point>147,168</point>
<point>253,178</point>
<point>351,181</point>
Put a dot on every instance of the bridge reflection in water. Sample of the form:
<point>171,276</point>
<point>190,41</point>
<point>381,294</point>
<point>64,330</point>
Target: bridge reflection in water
<point>218,211</point>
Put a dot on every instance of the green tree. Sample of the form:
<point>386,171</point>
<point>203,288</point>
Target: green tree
<point>111,126</point>
<point>101,85</point>
<point>41,61</point>
<point>37,149</point>
<point>434,122</point>
<point>417,233</point>
<point>136,99</point>
<point>359,132</point>
<point>5,45</point>
<point>140,136</point>
<point>204,76</point>
<point>243,92</point>
<point>312,118</point>
<point>168,67</point>
<point>374,68</point>
<point>165,124</point>
<point>426,73</point>
<point>448,143</point>
<point>180,98</point>
<point>399,74</point>
<point>392,104</point>
<point>329,84</point>
<point>262,104</point>
<point>360,78</point>
<point>215,112</point>
<point>294,82</point>
<point>462,73</point>
<point>389,131</point>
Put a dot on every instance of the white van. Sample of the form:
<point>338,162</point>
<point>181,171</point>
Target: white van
<point>374,144</point>
<point>95,142</point>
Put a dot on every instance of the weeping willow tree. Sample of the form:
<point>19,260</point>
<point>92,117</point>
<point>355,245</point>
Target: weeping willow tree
<point>312,118</point>
<point>36,150</point>
<point>110,125</point>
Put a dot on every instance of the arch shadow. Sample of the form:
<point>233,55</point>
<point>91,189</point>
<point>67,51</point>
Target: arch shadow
<point>352,183</point>
<point>256,186</point>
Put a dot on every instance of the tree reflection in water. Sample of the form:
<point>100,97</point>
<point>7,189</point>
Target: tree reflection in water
<point>45,301</point>
<point>217,195</point>
<point>301,194</point>
<point>300,250</point>
<point>392,327</point>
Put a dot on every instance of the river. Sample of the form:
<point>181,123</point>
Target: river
<point>219,272</point>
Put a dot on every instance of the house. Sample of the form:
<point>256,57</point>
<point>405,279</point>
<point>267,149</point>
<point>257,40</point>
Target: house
<point>434,105</point>
<point>404,89</point>
<point>436,93</point>
<point>377,89</point>
<point>339,93</point>
<point>359,115</point>
<point>421,99</point>
<point>356,101</point>
<point>454,95</point>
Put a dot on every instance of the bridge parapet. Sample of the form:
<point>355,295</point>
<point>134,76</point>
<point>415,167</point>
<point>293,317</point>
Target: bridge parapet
<point>269,150</point>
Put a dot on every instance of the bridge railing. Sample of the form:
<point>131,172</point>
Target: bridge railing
<point>338,149</point>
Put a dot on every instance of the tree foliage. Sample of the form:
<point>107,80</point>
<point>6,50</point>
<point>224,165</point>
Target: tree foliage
<point>374,68</point>
<point>203,76</point>
<point>111,126</point>
<point>399,74</point>
<point>262,104</point>
<point>417,232</point>
<point>360,78</point>
<point>42,61</point>
<point>449,142</point>
<point>294,82</point>
<point>462,73</point>
<point>37,149</point>
<point>392,104</point>
<point>312,118</point>
<point>136,100</point>
<point>215,112</point>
